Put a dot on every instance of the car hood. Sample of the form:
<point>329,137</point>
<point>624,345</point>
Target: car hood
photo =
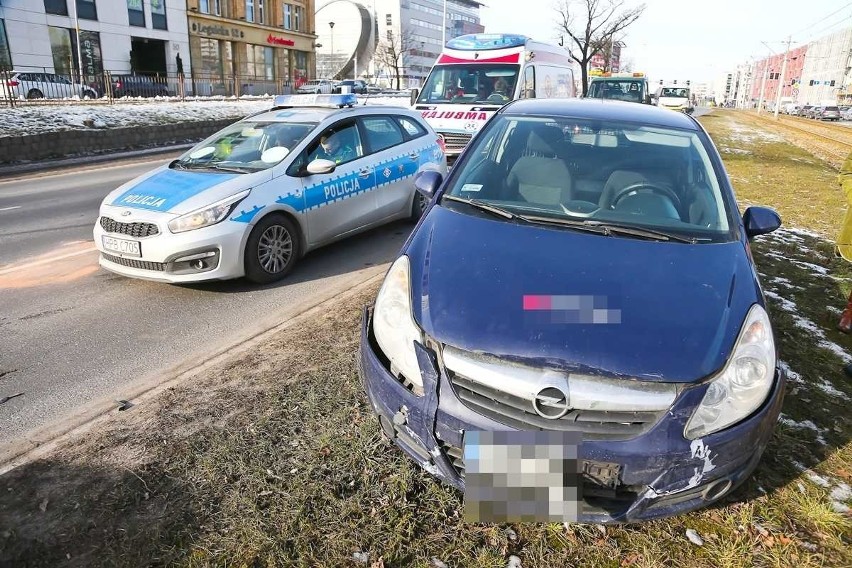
<point>673,101</point>
<point>674,310</point>
<point>179,191</point>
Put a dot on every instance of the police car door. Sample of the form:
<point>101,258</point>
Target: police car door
<point>397,158</point>
<point>343,200</point>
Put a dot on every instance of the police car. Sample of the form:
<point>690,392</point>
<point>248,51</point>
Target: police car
<point>257,195</point>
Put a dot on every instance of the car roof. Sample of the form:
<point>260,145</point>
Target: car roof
<point>602,109</point>
<point>318,114</point>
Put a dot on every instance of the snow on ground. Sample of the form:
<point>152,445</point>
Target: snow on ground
<point>36,119</point>
<point>749,135</point>
<point>829,389</point>
<point>805,424</point>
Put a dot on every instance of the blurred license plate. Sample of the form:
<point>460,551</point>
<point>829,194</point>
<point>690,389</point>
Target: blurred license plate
<point>122,246</point>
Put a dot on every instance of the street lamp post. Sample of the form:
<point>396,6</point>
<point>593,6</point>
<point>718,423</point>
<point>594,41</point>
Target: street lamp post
<point>331,25</point>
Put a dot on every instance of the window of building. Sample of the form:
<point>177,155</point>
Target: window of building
<point>260,62</point>
<point>388,19</point>
<point>259,14</point>
<point>297,18</point>
<point>158,15</point>
<point>300,66</point>
<point>60,49</point>
<point>136,13</point>
<point>59,7</point>
<point>209,7</point>
<point>5,54</point>
<point>87,10</point>
<point>249,10</point>
<point>288,17</point>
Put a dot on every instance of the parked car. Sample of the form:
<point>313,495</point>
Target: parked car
<point>253,198</point>
<point>827,113</point>
<point>569,281</point>
<point>804,111</point>
<point>846,113</point>
<point>317,86</point>
<point>138,86</point>
<point>356,86</point>
<point>37,85</point>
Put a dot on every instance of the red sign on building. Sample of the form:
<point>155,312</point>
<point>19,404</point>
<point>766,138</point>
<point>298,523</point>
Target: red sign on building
<point>275,40</point>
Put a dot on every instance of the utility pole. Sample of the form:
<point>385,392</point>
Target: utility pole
<point>763,86</point>
<point>79,52</point>
<point>444,27</point>
<point>781,79</point>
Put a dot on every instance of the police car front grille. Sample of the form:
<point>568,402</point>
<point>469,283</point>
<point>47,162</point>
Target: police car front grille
<point>518,413</point>
<point>134,263</point>
<point>136,229</point>
<point>455,141</point>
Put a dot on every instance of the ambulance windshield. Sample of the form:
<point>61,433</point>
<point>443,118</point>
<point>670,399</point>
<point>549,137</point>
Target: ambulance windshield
<point>470,83</point>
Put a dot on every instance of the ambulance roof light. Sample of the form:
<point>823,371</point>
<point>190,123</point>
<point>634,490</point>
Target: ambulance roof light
<point>483,42</point>
<point>327,101</point>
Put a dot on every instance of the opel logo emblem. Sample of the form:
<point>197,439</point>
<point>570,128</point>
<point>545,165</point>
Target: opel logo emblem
<point>551,403</point>
<point>125,213</point>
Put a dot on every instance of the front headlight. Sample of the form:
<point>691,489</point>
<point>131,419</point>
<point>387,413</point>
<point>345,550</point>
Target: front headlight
<point>209,215</point>
<point>744,383</point>
<point>394,326</point>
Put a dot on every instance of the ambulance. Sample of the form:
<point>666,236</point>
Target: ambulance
<point>477,74</point>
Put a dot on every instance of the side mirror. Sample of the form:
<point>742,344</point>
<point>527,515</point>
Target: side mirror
<point>320,166</point>
<point>760,221</point>
<point>414,93</point>
<point>428,182</point>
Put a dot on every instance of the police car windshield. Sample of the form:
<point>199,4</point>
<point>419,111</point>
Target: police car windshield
<point>246,147</point>
<point>470,83</point>
<point>624,90</point>
<point>633,180</point>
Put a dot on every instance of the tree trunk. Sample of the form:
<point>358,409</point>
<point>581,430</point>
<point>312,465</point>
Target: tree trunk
<point>584,75</point>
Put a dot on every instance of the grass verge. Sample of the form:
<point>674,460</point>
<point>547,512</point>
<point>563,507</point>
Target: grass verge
<point>274,458</point>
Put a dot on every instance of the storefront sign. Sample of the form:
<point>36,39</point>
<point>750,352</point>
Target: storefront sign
<point>216,30</point>
<point>275,40</point>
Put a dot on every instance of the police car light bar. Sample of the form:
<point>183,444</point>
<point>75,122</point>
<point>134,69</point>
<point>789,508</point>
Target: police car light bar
<point>331,101</point>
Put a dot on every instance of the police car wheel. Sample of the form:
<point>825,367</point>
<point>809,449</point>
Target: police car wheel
<point>272,249</point>
<point>419,206</point>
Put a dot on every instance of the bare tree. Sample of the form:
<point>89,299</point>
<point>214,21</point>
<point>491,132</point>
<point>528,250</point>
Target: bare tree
<point>391,53</point>
<point>592,26</point>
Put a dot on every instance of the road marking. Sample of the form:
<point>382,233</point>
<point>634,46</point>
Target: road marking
<point>18,267</point>
<point>10,208</point>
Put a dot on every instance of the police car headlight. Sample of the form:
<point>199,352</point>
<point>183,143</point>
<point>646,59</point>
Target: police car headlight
<point>207,216</point>
<point>744,383</point>
<point>394,326</point>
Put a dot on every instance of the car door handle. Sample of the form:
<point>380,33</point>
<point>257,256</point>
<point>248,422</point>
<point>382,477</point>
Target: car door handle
<point>365,173</point>
<point>414,155</point>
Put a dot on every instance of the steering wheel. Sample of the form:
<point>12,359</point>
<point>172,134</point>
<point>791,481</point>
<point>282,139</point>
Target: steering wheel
<point>497,98</point>
<point>644,185</point>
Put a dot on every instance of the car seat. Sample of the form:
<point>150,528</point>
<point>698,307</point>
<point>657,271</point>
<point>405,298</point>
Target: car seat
<point>701,208</point>
<point>618,180</point>
<point>539,176</point>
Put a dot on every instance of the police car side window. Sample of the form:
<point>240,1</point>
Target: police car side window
<point>381,132</point>
<point>411,127</point>
<point>339,143</point>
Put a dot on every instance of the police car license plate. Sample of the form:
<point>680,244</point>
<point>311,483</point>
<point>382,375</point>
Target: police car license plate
<point>122,246</point>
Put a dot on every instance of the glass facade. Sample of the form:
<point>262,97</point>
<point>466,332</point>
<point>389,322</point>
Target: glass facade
<point>60,48</point>
<point>5,54</point>
<point>63,48</point>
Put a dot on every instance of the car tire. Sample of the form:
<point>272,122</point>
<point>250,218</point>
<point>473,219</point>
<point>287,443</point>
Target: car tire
<point>35,94</point>
<point>418,206</point>
<point>272,249</point>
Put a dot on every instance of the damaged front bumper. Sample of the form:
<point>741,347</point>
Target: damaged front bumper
<point>656,474</point>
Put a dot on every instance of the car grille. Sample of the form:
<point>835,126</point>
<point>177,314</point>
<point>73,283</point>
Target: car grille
<point>135,229</point>
<point>455,141</point>
<point>135,263</point>
<point>518,413</point>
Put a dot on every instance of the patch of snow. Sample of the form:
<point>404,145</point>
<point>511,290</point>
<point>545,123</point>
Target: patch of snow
<point>805,424</point>
<point>804,232</point>
<point>514,562</point>
<point>816,478</point>
<point>694,537</point>
<point>842,492</point>
<point>829,389</point>
<point>792,375</point>
<point>813,267</point>
<point>784,303</point>
<point>735,151</point>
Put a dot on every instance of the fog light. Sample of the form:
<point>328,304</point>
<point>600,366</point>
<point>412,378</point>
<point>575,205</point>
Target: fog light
<point>197,264</point>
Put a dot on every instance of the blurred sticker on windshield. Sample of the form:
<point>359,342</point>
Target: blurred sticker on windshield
<point>471,187</point>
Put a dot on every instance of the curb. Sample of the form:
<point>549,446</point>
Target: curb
<point>11,171</point>
<point>45,439</point>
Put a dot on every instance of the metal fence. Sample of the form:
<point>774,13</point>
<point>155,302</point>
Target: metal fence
<point>34,86</point>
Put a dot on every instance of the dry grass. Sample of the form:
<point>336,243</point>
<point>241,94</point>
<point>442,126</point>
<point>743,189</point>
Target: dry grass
<point>276,460</point>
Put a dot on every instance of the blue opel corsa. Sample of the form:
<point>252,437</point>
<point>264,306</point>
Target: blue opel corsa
<point>584,269</point>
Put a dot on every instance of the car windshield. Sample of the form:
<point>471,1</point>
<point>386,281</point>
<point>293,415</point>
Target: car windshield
<point>586,174</point>
<point>470,83</point>
<point>624,90</point>
<point>246,147</point>
<point>674,92</point>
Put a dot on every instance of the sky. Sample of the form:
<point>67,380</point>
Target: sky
<point>688,39</point>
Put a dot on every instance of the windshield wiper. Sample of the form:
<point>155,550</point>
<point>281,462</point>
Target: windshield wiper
<point>482,206</point>
<point>570,223</point>
<point>641,232</point>
<point>190,166</point>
